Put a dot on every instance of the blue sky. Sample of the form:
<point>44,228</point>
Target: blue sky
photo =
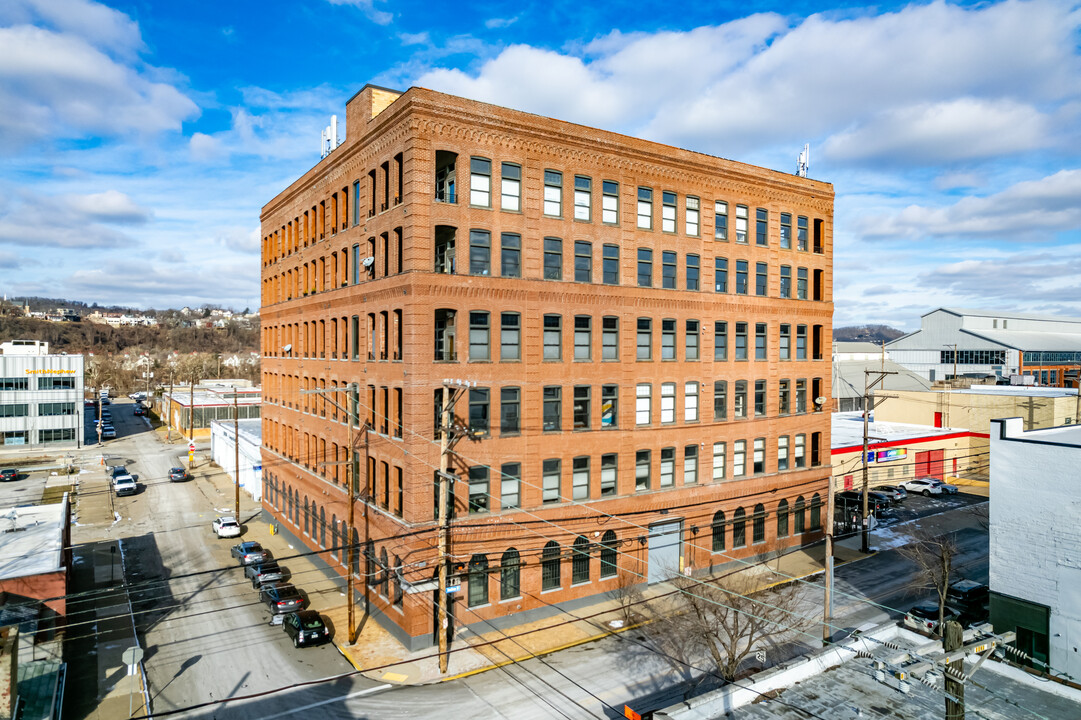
<point>139,140</point>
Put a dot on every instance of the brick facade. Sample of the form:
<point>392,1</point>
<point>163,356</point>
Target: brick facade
<point>494,272</point>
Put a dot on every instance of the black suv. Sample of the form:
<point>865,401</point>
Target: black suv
<point>850,501</point>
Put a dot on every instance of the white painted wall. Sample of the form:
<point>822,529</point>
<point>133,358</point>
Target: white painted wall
<point>223,452</point>
<point>1035,527</point>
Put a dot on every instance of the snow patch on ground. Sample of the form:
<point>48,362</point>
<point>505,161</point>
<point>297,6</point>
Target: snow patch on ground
<point>116,517</point>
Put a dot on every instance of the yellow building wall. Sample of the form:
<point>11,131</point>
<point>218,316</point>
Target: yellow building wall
<point>972,411</point>
<point>965,458</point>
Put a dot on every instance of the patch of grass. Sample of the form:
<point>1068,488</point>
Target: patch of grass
<point>53,495</point>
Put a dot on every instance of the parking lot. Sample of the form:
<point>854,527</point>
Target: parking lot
<point>918,506</point>
<point>26,490</point>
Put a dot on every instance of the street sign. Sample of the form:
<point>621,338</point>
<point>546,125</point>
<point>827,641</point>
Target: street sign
<point>191,446</point>
<point>131,658</point>
<point>453,588</point>
<point>256,468</point>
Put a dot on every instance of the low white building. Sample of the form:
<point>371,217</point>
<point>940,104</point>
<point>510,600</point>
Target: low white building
<point>41,397</point>
<point>1035,560</point>
<point>223,452</point>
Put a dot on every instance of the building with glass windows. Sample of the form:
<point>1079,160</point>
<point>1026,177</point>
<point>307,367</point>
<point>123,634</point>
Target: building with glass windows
<point>635,336</point>
<point>41,397</point>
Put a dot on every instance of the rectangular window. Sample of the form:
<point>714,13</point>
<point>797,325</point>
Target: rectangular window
<point>668,403</point>
<point>719,449</point>
<point>645,267</point>
<point>782,452</point>
<point>690,465</point>
<point>510,255</point>
<point>801,233</point>
<point>741,277</point>
<point>51,436</point>
<point>761,279</point>
<point>786,281</point>
<point>580,478</point>
<point>641,469</point>
<point>478,410</point>
<point>739,396</point>
<point>784,396</point>
<point>720,221</point>
<point>354,339</point>
<point>797,455</point>
<point>786,231</point>
<point>583,338</point>
<point>741,224</point>
<point>553,408</point>
<point>642,401</point>
<point>760,341</point>
<point>583,261</point>
<point>478,490</point>
<point>801,342</point>
<point>801,283</point>
<point>609,406</point>
<point>759,456</point>
<point>759,398</point>
<point>720,399</point>
<point>581,408</point>
<point>553,193</point>
<point>480,252</point>
<point>668,467</point>
<point>550,477</point>
<point>583,198</point>
<point>356,203</point>
<point>609,338</point>
<point>668,339</point>
<point>720,340</point>
<point>690,401</point>
<point>668,212</point>
<point>480,182</point>
<point>610,202</point>
<point>761,224</point>
<point>801,396</point>
<point>510,486</point>
<point>645,208</point>
<point>691,216</point>
<point>693,272</point>
<point>609,473</point>
<point>739,458</point>
<point>720,275</point>
<point>741,341</point>
<point>56,383</point>
<point>478,336</point>
<point>510,337</point>
<point>610,265</point>
<point>511,187</point>
<point>357,266</point>
<point>668,270</point>
<point>15,409</point>
<point>553,338</point>
<point>691,342</point>
<point>510,411</point>
<point>645,339</point>
<point>785,345</point>
<point>553,258</point>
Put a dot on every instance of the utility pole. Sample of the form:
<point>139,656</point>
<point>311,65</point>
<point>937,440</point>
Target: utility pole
<point>952,640</point>
<point>236,455</point>
<point>869,403</point>
<point>827,624</point>
<point>191,422</point>
<point>444,459</point>
<point>169,413</point>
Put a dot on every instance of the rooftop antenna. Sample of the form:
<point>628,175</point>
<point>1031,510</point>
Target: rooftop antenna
<point>329,140</point>
<point>803,161</point>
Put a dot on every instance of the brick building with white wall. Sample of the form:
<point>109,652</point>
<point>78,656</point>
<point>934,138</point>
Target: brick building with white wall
<point>1035,560</point>
<point>644,329</point>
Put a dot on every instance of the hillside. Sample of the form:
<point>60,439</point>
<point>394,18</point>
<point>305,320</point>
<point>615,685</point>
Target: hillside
<point>877,334</point>
<point>86,337</point>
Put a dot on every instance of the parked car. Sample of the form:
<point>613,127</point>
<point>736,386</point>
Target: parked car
<point>105,400</point>
<point>139,410</point>
<point>852,500</point>
<point>226,527</point>
<point>923,486</point>
<point>89,403</point>
<point>306,627</point>
<point>117,470</point>
<point>249,552</point>
<point>895,493</point>
<point>9,475</point>
<point>125,485</point>
<point>178,474</point>
<point>281,598</point>
<point>947,488</point>
<point>108,432</point>
<point>264,573</point>
<point>968,592</point>
<point>925,616</point>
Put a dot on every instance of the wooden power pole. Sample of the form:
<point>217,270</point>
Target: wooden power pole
<point>952,640</point>
<point>444,459</point>
<point>236,455</point>
<point>869,403</point>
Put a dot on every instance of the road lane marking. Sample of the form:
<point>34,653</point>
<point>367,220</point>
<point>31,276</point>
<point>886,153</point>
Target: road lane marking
<point>358,693</point>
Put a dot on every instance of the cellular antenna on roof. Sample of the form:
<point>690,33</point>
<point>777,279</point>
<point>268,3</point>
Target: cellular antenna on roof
<point>330,140</point>
<point>803,161</point>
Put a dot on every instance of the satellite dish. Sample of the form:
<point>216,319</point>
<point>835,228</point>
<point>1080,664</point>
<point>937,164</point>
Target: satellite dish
<point>368,261</point>
<point>288,348</point>
<point>820,400</point>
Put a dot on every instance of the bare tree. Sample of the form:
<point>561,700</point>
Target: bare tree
<point>933,557</point>
<point>730,619</point>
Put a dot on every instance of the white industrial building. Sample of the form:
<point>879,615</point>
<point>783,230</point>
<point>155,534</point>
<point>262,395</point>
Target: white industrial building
<point>223,452</point>
<point>977,343</point>
<point>41,397</point>
<point>1035,560</point>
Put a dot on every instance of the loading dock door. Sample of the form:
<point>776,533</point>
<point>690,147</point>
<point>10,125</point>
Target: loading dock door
<point>665,551</point>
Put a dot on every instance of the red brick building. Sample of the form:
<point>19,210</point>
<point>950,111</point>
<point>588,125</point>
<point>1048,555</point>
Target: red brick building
<point>642,329</point>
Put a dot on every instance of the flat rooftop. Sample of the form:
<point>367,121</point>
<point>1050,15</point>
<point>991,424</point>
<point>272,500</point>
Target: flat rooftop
<point>32,539</point>
<point>846,430</point>
<point>1016,391</point>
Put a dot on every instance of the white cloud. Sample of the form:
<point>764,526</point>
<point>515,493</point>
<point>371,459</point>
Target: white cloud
<point>379,17</point>
<point>70,221</point>
<point>99,25</point>
<point>954,180</point>
<point>1037,277</point>
<point>203,147</point>
<point>494,23</point>
<point>1034,209</point>
<point>420,38</point>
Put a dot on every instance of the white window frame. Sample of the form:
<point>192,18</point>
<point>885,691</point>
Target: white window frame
<point>668,403</point>
<point>643,396</point>
<point>510,189</point>
<point>739,458</point>
<point>690,401</point>
<point>691,215</point>
<point>742,220</point>
<point>609,204</point>
<point>480,185</point>
<point>720,451</point>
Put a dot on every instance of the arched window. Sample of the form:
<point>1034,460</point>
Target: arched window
<point>384,571</point>
<point>816,512</point>
<point>580,561</point>
<point>718,530</point>
<point>323,526</point>
<point>798,516</point>
<point>369,564</point>
<point>478,580</point>
<point>334,536</point>
<point>550,566</point>
<point>397,581</point>
<point>510,575</point>
<point>739,528</point>
<point>289,505</point>
<point>609,559</point>
<point>782,519</point>
<point>758,524</point>
<point>307,517</point>
<point>356,553</point>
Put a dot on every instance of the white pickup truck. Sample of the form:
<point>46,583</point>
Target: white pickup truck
<point>125,485</point>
